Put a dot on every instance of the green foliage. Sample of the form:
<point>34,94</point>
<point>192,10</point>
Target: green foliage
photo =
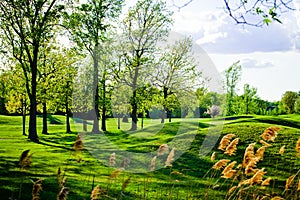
<point>288,100</point>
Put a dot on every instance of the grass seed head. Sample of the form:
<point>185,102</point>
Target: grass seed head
<point>36,188</point>
<point>298,147</point>
<point>112,160</point>
<point>229,174</point>
<point>265,143</point>
<point>220,164</point>
<point>260,153</point>
<point>78,145</point>
<point>258,177</point>
<point>162,149</point>
<point>289,182</point>
<point>225,141</point>
<point>213,157</point>
<point>270,133</point>
<point>95,195</point>
<point>125,184</point>
<point>231,148</point>
<point>153,163</point>
<point>25,159</point>
<point>170,158</point>
<point>229,167</point>
<point>281,150</point>
<point>266,182</point>
<point>62,195</point>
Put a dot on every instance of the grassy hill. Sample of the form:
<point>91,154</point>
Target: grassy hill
<point>190,177</point>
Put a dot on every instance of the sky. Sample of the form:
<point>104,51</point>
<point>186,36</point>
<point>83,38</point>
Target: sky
<point>269,56</point>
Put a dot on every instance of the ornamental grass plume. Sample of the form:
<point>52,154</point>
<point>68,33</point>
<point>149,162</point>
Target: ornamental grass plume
<point>213,157</point>
<point>265,143</point>
<point>36,188</point>
<point>125,163</point>
<point>62,195</point>
<point>266,182</point>
<point>95,195</point>
<point>277,198</point>
<point>270,133</point>
<point>78,145</point>
<point>162,149</point>
<point>153,163</point>
<point>298,187</point>
<point>228,167</point>
<point>250,168</point>
<point>231,148</point>
<point>289,182</point>
<point>225,141</point>
<point>260,153</point>
<point>231,190</point>
<point>126,183</point>
<point>112,160</point>
<point>220,164</point>
<point>249,154</point>
<point>281,150</point>
<point>258,177</point>
<point>115,173</point>
<point>298,147</point>
<point>170,158</point>
<point>25,159</point>
<point>229,174</point>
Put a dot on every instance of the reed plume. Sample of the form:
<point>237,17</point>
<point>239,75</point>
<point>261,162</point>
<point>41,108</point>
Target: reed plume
<point>213,157</point>
<point>125,184</point>
<point>249,154</point>
<point>225,141</point>
<point>25,159</point>
<point>228,167</point>
<point>125,163</point>
<point>220,164</point>
<point>162,149</point>
<point>258,177</point>
<point>298,147</point>
<point>231,148</point>
<point>281,150</point>
<point>95,195</point>
<point>78,145</point>
<point>289,182</point>
<point>153,163</point>
<point>270,133</point>
<point>229,174</point>
<point>260,153</point>
<point>266,182</point>
<point>265,143</point>
<point>250,168</point>
<point>277,198</point>
<point>231,190</point>
<point>170,158</point>
<point>62,195</point>
<point>298,188</point>
<point>112,160</point>
<point>115,173</point>
<point>37,187</point>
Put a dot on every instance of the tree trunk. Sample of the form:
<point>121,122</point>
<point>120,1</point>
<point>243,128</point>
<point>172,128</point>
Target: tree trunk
<point>68,127</point>
<point>142,124</point>
<point>24,115</point>
<point>103,118</point>
<point>45,128</point>
<point>134,112</point>
<point>84,124</point>
<point>119,121</point>
<point>32,116</point>
<point>96,93</point>
<point>165,110</point>
<point>169,113</point>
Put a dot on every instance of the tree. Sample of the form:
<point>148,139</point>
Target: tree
<point>254,13</point>
<point>288,100</point>
<point>25,26</point>
<point>248,98</point>
<point>88,24</point>
<point>145,24</point>
<point>232,76</point>
<point>176,73</point>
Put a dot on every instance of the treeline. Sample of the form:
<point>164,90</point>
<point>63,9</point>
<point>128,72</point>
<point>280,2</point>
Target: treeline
<point>112,66</point>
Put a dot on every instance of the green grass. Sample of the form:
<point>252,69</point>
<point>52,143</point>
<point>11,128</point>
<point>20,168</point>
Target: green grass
<point>197,181</point>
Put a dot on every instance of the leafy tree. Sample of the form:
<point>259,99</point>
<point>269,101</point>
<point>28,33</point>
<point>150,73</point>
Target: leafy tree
<point>176,73</point>
<point>248,98</point>
<point>25,26</point>
<point>288,100</point>
<point>232,76</point>
<point>88,24</point>
<point>145,24</point>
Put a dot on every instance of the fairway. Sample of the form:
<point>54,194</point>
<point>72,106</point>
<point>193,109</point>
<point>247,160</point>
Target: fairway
<point>190,177</point>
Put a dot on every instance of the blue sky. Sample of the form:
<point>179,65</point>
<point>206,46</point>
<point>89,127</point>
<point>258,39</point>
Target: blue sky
<point>270,56</point>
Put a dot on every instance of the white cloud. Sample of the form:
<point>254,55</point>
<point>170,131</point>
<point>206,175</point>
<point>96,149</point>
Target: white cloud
<point>252,63</point>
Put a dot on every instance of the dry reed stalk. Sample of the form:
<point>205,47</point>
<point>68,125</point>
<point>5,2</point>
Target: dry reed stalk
<point>277,198</point>
<point>231,148</point>
<point>213,157</point>
<point>37,187</point>
<point>62,195</point>
<point>220,164</point>
<point>162,149</point>
<point>125,184</point>
<point>258,177</point>
<point>281,150</point>
<point>298,188</point>
<point>244,182</point>
<point>265,143</point>
<point>153,163</point>
<point>78,145</point>
<point>225,141</point>
<point>270,133</point>
<point>289,182</point>
<point>260,153</point>
<point>95,195</point>
<point>231,190</point>
<point>170,158</point>
<point>112,160</point>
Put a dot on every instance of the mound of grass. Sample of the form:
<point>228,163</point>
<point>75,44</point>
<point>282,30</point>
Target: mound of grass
<point>190,177</point>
